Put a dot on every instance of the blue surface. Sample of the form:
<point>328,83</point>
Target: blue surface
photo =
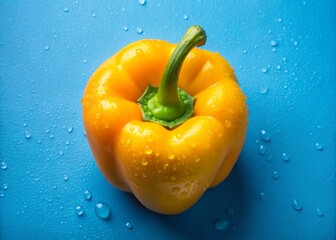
<point>49,50</point>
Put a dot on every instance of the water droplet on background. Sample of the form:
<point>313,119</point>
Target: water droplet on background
<point>3,166</point>
<point>79,211</point>
<point>264,135</point>
<point>264,70</point>
<point>263,90</point>
<point>27,135</point>
<point>297,205</point>
<point>139,30</point>
<point>102,210</point>
<point>125,28</point>
<point>129,225</point>
<point>230,211</point>
<point>66,10</point>
<point>262,149</point>
<point>87,195</point>
<point>142,2</point>
<point>262,196</point>
<point>319,212</point>
<point>273,43</point>
<point>46,48</point>
<point>319,146</point>
<point>285,157</point>
<point>65,177</point>
<point>275,175</point>
<point>185,17</point>
<point>221,224</point>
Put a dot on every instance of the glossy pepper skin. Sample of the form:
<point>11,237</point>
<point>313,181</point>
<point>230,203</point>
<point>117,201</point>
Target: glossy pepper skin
<point>167,169</point>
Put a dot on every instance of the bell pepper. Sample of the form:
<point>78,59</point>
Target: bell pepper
<point>165,121</point>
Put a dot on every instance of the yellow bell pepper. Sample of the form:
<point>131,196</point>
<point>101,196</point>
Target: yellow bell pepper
<point>149,137</point>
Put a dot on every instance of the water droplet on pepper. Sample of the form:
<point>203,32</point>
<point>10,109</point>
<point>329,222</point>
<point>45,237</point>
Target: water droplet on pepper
<point>148,150</point>
<point>139,52</point>
<point>184,194</point>
<point>171,155</point>
<point>144,162</point>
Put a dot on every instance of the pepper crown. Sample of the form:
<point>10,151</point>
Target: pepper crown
<point>168,104</point>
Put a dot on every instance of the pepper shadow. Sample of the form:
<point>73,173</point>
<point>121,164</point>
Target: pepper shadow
<point>216,214</point>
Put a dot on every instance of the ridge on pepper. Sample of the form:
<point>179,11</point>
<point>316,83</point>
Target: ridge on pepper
<point>165,121</point>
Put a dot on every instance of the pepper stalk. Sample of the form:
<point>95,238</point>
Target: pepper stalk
<point>168,104</point>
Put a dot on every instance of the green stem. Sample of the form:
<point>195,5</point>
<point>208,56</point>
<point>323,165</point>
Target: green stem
<point>168,103</point>
<point>168,94</point>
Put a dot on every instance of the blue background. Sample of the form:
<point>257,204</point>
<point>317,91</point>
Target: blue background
<point>283,53</point>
